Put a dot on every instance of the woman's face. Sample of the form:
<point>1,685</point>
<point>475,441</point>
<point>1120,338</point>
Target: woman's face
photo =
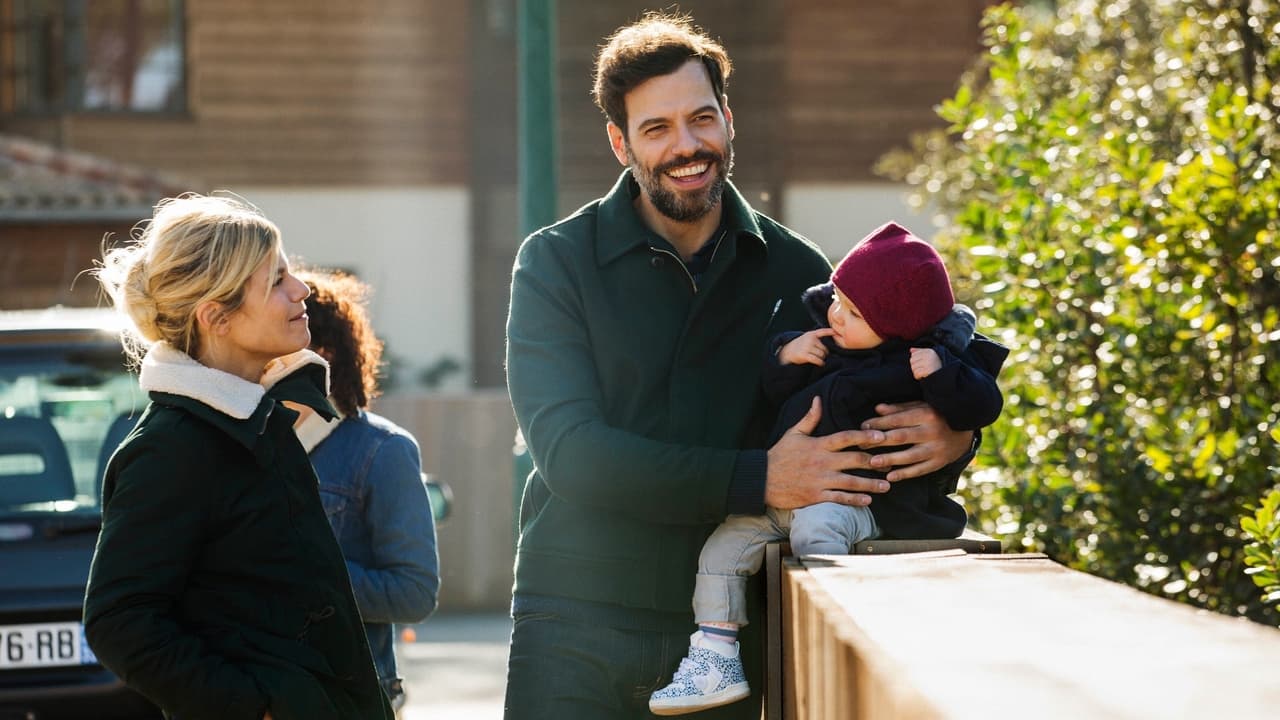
<point>270,323</point>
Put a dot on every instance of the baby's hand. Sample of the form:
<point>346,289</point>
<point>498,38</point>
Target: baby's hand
<point>806,349</point>
<point>924,362</point>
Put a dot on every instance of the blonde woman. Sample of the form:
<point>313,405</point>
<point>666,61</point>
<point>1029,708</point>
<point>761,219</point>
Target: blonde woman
<point>217,589</point>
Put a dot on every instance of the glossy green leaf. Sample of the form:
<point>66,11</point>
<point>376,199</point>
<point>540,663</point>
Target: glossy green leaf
<point>1120,197</point>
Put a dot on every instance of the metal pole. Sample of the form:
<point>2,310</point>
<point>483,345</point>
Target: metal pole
<point>538,179</point>
<point>536,55</point>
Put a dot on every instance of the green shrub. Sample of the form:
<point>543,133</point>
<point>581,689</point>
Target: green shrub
<point>1262,554</point>
<point>1109,194</point>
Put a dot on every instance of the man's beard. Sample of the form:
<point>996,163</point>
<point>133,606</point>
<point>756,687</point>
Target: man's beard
<point>679,205</point>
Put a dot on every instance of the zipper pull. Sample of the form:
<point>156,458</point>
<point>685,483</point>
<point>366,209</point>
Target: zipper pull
<point>773,314</point>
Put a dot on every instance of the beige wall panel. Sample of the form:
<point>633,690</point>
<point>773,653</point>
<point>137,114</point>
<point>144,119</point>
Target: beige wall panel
<point>411,244</point>
<point>835,216</point>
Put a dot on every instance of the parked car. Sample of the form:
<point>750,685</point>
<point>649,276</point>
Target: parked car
<point>66,401</point>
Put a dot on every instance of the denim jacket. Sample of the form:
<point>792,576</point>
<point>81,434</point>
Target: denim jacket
<point>371,486</point>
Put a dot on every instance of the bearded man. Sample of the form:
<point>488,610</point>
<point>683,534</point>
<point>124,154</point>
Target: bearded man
<point>634,347</point>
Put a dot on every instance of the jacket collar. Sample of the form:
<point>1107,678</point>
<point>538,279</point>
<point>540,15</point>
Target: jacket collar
<point>314,428</point>
<point>238,407</point>
<point>619,228</point>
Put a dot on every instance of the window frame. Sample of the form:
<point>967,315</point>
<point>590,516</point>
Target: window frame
<point>62,66</point>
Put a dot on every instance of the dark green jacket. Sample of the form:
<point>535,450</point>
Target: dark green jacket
<point>635,392</point>
<point>217,588</point>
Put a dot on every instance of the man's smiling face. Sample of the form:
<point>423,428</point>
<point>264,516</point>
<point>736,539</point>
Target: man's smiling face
<point>679,142</point>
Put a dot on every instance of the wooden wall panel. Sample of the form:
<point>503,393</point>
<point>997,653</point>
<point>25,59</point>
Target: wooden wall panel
<point>42,265</point>
<point>821,88</point>
<point>863,75</point>
<point>296,92</point>
<point>308,92</point>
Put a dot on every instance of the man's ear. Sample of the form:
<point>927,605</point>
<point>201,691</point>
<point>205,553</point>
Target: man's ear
<point>211,319</point>
<point>728,114</point>
<point>618,142</point>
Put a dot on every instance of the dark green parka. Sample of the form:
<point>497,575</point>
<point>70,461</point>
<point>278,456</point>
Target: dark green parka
<point>217,589</point>
<point>637,393</point>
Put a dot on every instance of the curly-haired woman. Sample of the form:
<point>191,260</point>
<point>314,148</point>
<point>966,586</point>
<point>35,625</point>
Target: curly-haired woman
<point>370,475</point>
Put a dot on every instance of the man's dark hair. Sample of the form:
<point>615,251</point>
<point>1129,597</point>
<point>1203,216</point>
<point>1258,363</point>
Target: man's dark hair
<point>657,44</point>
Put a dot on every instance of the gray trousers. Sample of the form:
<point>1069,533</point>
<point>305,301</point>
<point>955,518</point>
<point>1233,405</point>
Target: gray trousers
<point>736,548</point>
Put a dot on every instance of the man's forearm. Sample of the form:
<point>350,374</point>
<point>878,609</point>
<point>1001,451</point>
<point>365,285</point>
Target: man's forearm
<point>746,486</point>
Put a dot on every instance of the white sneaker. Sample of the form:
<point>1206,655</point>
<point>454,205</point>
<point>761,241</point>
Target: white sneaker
<point>706,679</point>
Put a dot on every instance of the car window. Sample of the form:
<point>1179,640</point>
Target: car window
<point>79,392</point>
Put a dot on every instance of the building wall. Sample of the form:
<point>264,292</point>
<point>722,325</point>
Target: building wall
<point>296,96</point>
<point>302,92</point>
<point>820,88</point>
<point>466,442</point>
<point>348,124</point>
<point>836,215</point>
<point>819,91</point>
<point>411,244</point>
<point>44,264</point>
<point>754,42</point>
<point>381,137</point>
<point>324,96</point>
<point>862,76</point>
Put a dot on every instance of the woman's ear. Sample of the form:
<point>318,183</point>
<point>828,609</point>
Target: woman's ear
<point>211,319</point>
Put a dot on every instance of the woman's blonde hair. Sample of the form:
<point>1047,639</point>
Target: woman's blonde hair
<point>194,249</point>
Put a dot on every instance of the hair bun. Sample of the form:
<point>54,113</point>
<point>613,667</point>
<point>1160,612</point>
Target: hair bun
<point>194,249</point>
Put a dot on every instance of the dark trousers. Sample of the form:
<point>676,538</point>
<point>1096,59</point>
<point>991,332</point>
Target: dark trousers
<point>560,669</point>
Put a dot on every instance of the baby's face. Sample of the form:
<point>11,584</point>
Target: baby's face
<point>852,330</point>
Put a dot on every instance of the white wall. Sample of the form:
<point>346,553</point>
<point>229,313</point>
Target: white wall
<point>413,245</point>
<point>837,216</point>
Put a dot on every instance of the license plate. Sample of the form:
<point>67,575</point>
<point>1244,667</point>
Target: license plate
<point>38,645</point>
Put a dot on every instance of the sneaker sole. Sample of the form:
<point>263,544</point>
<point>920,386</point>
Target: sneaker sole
<point>698,703</point>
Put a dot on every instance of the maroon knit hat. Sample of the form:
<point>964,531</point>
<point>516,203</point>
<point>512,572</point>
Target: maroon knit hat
<point>897,281</point>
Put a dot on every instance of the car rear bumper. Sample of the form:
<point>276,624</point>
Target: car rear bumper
<point>66,693</point>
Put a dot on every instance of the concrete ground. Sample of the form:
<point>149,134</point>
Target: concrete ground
<point>457,667</point>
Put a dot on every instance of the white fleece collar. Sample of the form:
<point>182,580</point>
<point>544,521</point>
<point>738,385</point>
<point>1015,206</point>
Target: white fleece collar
<point>169,370</point>
<point>314,429</point>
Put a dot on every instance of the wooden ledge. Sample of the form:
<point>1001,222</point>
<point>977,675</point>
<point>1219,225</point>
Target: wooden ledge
<point>951,635</point>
